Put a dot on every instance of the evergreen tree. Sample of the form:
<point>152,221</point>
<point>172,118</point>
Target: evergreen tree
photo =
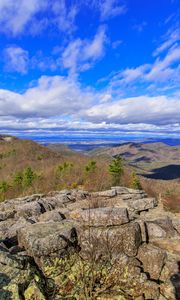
<point>28,177</point>
<point>4,186</point>
<point>18,178</point>
<point>116,169</point>
<point>135,181</point>
<point>91,166</point>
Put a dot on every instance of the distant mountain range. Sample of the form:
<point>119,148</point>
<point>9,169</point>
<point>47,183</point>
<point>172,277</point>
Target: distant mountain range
<point>146,153</point>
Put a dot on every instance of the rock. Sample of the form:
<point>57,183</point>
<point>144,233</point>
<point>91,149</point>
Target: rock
<point>103,216</point>
<point>170,289</point>
<point>154,231</point>
<point>142,204</point>
<point>124,190</point>
<point>170,268</point>
<point>11,231</point>
<point>108,193</point>
<point>4,215</point>
<point>47,239</point>
<point>28,210</point>
<point>131,239</point>
<point>15,276</point>
<point>151,290</point>
<point>51,216</point>
<point>4,228</point>
<point>124,239</point>
<point>160,228</point>
<point>152,259</point>
<point>142,225</point>
<point>176,223</point>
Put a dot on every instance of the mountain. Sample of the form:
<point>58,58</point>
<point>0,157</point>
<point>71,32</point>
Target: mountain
<point>28,167</point>
<point>145,153</point>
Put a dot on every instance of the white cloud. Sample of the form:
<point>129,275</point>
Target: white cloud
<point>143,109</point>
<point>163,73</point>
<point>111,8</point>
<point>64,16</point>
<point>61,103</point>
<point>80,55</point>
<point>171,37</point>
<point>52,96</point>
<point>16,59</point>
<point>15,15</point>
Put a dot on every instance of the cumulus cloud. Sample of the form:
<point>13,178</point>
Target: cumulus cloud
<point>61,102</point>
<point>51,96</point>
<point>16,59</point>
<point>80,54</point>
<point>143,109</point>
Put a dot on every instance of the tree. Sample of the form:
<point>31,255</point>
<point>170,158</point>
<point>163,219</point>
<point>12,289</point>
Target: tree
<point>28,177</point>
<point>61,169</point>
<point>4,186</point>
<point>18,178</point>
<point>91,166</point>
<point>116,169</point>
<point>136,184</point>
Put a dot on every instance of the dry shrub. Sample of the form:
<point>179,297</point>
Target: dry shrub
<point>171,203</point>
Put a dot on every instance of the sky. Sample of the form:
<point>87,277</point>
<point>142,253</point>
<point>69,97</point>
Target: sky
<point>90,66</point>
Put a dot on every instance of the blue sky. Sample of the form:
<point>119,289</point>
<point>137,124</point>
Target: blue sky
<point>90,66</point>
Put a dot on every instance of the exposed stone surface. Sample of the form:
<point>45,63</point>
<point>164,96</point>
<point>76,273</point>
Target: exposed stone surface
<point>142,204</point>
<point>153,260</point>
<point>103,216</point>
<point>45,238</point>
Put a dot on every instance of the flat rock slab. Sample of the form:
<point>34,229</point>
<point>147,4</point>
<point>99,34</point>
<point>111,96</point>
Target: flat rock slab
<point>115,240</point>
<point>108,193</point>
<point>142,204</point>
<point>104,216</point>
<point>160,228</point>
<point>47,239</point>
<point>153,260</point>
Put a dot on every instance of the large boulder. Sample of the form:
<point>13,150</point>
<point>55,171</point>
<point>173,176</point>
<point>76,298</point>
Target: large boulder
<point>152,259</point>
<point>51,216</point>
<point>160,228</point>
<point>16,274</point>
<point>108,194</point>
<point>47,239</point>
<point>103,216</point>
<point>142,204</point>
<point>112,240</point>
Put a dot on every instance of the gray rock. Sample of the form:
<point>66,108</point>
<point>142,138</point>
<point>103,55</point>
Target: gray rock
<point>142,204</point>
<point>176,223</point>
<point>28,210</point>
<point>104,216</point>
<point>153,259</point>
<point>131,239</point>
<point>160,228</point>
<point>108,193</point>
<point>143,230</point>
<point>51,216</point>
<point>4,215</point>
<point>47,239</point>
<point>114,241</point>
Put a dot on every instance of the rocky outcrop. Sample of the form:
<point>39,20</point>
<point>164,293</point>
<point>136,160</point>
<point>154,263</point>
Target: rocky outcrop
<point>50,245</point>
